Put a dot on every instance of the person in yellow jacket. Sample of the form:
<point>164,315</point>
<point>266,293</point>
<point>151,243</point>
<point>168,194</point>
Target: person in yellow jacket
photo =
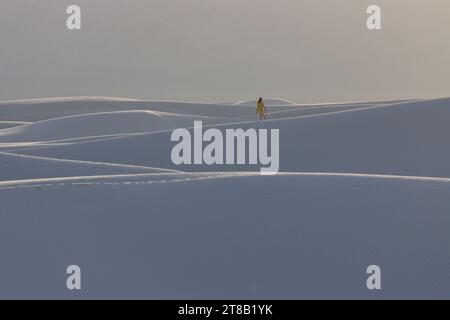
<point>261,109</point>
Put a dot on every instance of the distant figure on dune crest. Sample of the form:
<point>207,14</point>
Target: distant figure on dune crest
<point>261,109</point>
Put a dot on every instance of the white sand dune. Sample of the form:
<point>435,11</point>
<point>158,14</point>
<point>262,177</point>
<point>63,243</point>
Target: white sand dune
<point>98,124</point>
<point>84,126</point>
<point>267,102</point>
<point>11,124</point>
<point>20,167</point>
<point>245,236</point>
<point>44,109</point>
<point>90,181</point>
<point>407,138</point>
<point>33,110</point>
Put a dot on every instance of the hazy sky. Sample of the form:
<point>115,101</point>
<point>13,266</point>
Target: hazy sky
<point>225,50</point>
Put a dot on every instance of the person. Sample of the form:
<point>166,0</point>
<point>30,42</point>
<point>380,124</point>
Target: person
<point>261,109</point>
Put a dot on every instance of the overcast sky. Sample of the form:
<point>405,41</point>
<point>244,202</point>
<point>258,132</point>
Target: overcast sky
<point>225,50</point>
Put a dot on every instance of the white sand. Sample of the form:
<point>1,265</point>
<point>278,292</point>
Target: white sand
<point>88,181</point>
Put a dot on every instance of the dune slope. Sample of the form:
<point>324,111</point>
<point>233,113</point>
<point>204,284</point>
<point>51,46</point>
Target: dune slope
<point>289,236</point>
<point>89,181</point>
<point>400,139</point>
